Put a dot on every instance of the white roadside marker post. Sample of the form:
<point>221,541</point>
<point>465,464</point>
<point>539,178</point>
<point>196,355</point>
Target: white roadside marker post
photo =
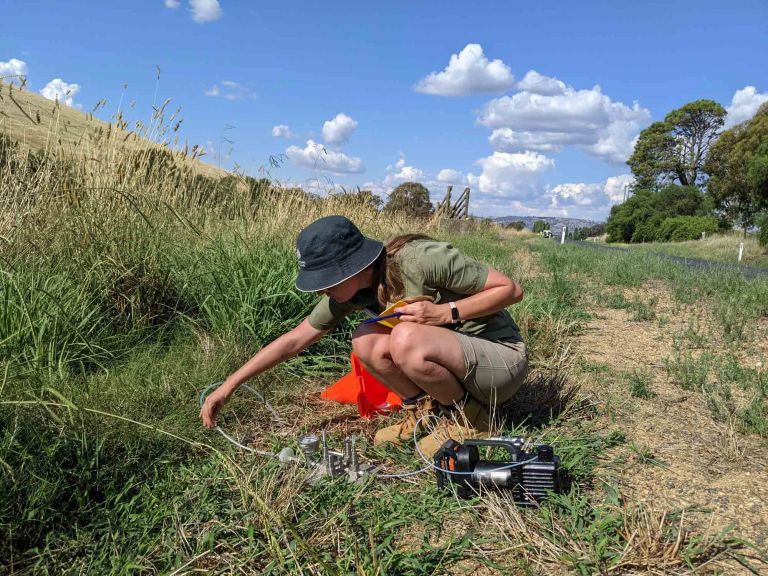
<point>562,237</point>
<point>741,250</point>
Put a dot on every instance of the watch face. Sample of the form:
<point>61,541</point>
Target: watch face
<point>454,312</point>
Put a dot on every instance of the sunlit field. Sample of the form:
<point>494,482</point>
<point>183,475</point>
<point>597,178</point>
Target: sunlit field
<point>131,279</point>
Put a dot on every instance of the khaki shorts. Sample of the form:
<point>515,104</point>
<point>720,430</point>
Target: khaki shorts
<point>495,370</point>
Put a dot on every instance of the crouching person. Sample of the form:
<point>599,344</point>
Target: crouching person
<point>454,356</point>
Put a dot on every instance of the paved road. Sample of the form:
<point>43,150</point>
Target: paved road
<point>748,271</point>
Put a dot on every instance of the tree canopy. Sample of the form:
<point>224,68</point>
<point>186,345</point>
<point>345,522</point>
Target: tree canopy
<point>640,218</point>
<point>411,198</point>
<point>738,167</point>
<point>539,226</point>
<point>675,149</point>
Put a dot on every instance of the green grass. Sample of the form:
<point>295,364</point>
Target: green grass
<point>715,376</point>
<point>722,247</point>
<point>112,320</point>
<point>119,305</point>
<point>138,337</point>
<point>640,384</point>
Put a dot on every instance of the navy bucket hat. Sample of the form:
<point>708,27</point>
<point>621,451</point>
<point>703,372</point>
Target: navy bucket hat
<point>331,250</point>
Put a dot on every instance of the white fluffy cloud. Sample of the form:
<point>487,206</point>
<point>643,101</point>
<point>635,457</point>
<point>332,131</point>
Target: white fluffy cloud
<point>378,188</point>
<point>536,83</point>
<point>591,200</point>
<point>490,206</point>
<point>508,140</point>
<point>450,176</point>
<point>523,194</point>
<point>317,157</point>
<point>205,10</point>
<point>578,194</point>
<point>172,4</point>
<point>11,70</point>
<point>585,118</point>
<point>402,173</point>
<point>338,130</point>
<point>468,72</point>
<point>230,90</point>
<point>744,104</point>
<point>59,90</point>
<point>282,131</point>
<point>616,187</point>
<point>511,176</point>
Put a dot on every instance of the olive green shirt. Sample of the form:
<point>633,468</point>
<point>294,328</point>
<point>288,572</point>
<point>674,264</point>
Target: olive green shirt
<point>434,269</point>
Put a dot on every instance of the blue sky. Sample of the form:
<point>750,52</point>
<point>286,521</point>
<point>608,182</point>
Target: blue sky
<point>534,105</point>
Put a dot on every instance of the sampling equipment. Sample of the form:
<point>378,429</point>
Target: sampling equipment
<point>528,476</point>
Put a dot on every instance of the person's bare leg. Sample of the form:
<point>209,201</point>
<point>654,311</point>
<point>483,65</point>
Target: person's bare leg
<point>370,342</point>
<point>431,358</point>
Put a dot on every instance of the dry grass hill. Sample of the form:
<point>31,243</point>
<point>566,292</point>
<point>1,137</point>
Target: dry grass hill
<point>43,124</point>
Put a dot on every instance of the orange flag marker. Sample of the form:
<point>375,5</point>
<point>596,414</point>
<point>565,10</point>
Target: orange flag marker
<point>361,388</point>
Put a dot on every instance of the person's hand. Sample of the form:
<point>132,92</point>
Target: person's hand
<point>211,406</point>
<point>426,313</point>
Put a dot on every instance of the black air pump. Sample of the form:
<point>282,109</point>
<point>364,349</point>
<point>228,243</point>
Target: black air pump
<point>529,476</point>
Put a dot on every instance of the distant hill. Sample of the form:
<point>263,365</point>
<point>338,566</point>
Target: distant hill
<point>40,123</point>
<point>556,223</point>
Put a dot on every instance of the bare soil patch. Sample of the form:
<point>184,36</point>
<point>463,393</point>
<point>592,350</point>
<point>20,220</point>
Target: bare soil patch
<point>677,455</point>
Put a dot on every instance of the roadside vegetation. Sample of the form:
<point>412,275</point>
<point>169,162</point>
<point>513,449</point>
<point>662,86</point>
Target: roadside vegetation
<point>129,281</point>
<point>721,247</point>
<point>693,178</point>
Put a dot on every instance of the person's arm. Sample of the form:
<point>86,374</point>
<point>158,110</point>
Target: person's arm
<point>498,292</point>
<point>279,350</point>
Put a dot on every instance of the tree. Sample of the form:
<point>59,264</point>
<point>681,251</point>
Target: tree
<point>539,226</point>
<point>641,216</point>
<point>516,225</point>
<point>675,149</point>
<point>738,167</point>
<point>682,228</point>
<point>757,168</point>
<point>411,198</point>
<point>762,233</point>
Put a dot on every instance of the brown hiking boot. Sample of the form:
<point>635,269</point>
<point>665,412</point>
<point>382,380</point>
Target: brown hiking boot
<point>464,423</point>
<point>402,431</point>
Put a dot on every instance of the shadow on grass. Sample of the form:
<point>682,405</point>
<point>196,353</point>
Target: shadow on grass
<point>542,398</point>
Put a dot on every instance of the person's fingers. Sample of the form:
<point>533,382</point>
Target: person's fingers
<point>208,415</point>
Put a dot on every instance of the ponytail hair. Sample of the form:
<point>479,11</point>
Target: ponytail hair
<point>387,276</point>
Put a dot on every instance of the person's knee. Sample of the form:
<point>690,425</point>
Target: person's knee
<point>406,347</point>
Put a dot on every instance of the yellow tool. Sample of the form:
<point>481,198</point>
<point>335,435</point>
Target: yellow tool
<point>393,320</point>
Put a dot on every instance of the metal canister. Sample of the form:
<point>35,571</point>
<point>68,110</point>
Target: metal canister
<point>308,445</point>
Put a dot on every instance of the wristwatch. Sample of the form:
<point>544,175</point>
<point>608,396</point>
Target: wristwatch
<point>454,313</point>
